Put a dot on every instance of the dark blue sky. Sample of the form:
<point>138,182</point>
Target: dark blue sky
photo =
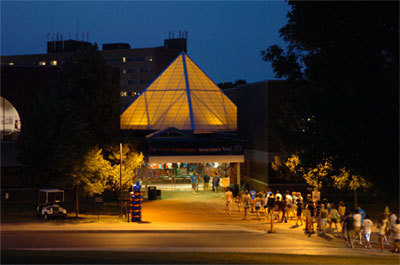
<point>225,38</point>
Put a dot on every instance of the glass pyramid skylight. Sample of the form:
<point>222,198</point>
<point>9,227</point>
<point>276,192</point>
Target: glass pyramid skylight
<point>184,97</point>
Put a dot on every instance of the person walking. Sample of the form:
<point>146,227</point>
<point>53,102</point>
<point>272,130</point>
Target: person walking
<point>283,209</point>
<point>258,201</point>
<point>289,204</point>
<point>348,225</point>
<point>271,204</point>
<point>265,203</point>
<point>246,204</point>
<point>342,213</point>
<point>206,182</point>
<point>334,216</point>
<point>310,209</point>
<point>253,195</point>
<point>228,201</point>
<point>357,226</point>
<point>239,200</point>
<point>382,226</point>
<point>299,209</point>
<point>396,236</point>
<point>324,218</point>
<point>367,228</point>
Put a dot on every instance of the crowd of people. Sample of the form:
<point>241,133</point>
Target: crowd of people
<point>321,215</point>
<point>315,214</point>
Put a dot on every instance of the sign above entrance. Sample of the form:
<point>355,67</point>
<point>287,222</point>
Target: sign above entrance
<point>197,159</point>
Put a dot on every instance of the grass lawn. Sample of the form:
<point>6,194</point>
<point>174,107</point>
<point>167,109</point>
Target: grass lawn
<point>97,257</point>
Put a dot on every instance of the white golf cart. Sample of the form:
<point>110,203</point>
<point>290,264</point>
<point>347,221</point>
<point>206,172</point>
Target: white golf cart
<point>50,203</point>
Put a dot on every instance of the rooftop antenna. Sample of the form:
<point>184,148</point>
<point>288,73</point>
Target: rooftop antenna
<point>173,35</point>
<point>179,33</point>
<point>169,34</point>
<point>77,29</point>
<point>48,36</point>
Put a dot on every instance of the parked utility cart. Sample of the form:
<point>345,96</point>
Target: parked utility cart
<point>50,203</point>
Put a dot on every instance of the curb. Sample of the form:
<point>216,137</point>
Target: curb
<point>138,231</point>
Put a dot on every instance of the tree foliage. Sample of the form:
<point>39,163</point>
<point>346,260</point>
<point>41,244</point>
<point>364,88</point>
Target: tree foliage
<point>101,171</point>
<point>341,63</point>
<point>78,111</point>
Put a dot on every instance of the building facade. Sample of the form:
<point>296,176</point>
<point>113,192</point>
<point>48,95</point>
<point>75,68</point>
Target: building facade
<point>259,107</point>
<point>138,67</point>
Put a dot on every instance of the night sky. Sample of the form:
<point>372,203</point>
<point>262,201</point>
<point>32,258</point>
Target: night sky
<point>225,38</point>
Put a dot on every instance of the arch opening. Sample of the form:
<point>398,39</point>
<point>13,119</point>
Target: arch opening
<point>10,126</point>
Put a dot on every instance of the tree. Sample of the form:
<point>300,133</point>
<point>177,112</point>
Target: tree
<point>227,85</point>
<point>344,181</point>
<point>130,162</point>
<point>341,65</point>
<point>78,111</point>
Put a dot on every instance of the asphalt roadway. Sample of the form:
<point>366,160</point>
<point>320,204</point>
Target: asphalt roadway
<point>180,241</point>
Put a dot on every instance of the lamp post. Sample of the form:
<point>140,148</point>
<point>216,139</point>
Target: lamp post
<point>120,179</point>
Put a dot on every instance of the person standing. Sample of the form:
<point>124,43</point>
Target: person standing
<point>367,228</point>
<point>193,179</point>
<point>216,183</point>
<point>206,182</point>
<point>228,201</point>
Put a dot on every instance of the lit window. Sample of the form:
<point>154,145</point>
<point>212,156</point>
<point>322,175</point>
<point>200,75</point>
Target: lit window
<point>53,63</point>
<point>42,63</point>
<point>124,71</point>
<point>151,59</point>
<point>124,94</point>
<point>124,59</point>
<point>134,93</point>
<point>10,63</point>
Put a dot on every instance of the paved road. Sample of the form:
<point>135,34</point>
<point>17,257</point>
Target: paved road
<point>176,242</point>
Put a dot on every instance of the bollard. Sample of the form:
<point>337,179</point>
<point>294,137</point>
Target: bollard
<point>271,226</point>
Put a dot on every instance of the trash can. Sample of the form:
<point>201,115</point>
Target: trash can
<point>158,194</point>
<point>151,193</point>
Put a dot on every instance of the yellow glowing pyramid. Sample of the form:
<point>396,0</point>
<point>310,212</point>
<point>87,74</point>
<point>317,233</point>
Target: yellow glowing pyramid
<point>184,97</point>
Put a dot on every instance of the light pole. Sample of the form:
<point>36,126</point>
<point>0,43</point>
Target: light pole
<point>120,179</point>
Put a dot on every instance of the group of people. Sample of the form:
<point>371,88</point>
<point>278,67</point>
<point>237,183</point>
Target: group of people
<point>195,180</point>
<point>355,225</point>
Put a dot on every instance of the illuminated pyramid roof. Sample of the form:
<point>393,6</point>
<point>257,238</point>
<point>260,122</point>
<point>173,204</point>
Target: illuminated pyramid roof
<point>184,97</point>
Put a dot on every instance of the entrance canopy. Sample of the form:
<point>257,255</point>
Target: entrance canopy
<point>197,159</point>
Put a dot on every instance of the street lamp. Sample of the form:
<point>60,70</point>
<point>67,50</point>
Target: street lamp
<point>120,179</point>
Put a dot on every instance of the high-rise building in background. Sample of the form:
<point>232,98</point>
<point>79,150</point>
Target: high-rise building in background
<point>138,66</point>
